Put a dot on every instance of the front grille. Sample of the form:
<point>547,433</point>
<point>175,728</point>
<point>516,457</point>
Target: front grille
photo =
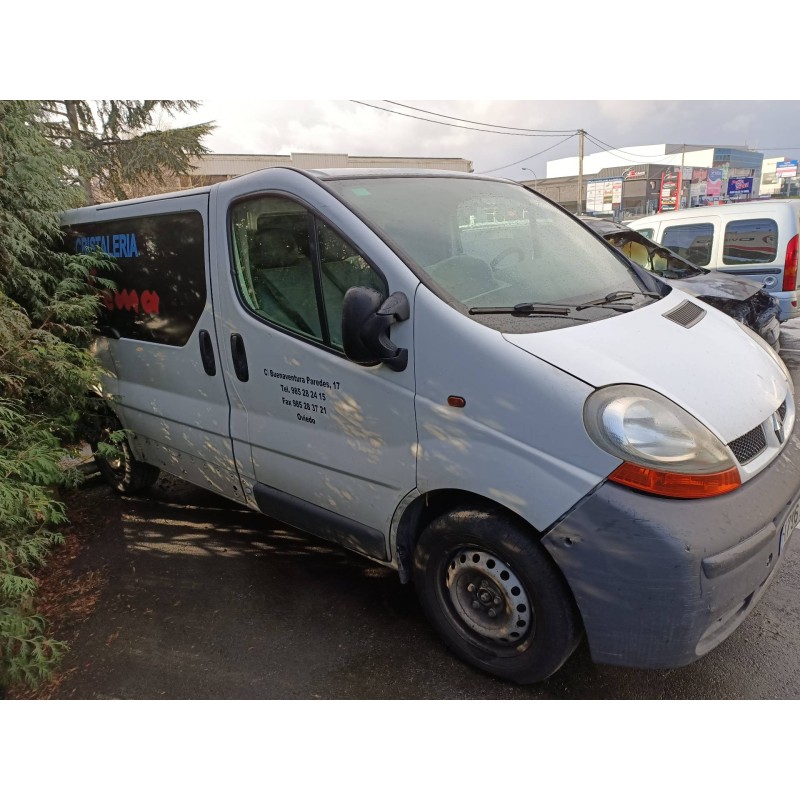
<point>747,447</point>
<point>782,411</point>
<point>686,314</point>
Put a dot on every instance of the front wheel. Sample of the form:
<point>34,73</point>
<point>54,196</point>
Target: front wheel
<point>495,596</point>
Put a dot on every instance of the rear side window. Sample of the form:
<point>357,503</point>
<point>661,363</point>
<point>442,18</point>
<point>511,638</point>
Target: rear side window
<point>750,241</point>
<point>161,276</point>
<point>693,242</point>
<point>646,232</point>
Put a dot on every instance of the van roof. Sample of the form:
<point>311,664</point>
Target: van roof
<point>752,207</point>
<point>319,174</point>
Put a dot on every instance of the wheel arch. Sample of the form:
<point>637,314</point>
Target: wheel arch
<point>422,510</point>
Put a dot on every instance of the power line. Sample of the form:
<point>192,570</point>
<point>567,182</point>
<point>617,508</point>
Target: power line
<point>451,125</point>
<point>527,158</point>
<point>640,159</point>
<point>486,124</point>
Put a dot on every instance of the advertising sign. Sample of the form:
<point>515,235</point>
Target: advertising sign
<point>740,187</point>
<point>634,173</point>
<point>670,188</point>
<point>604,195</point>
<point>714,183</point>
<point>786,169</point>
<point>697,188</point>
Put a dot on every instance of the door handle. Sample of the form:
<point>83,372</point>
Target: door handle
<point>239,357</point>
<point>207,353</point>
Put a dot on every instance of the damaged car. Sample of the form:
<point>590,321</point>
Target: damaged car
<point>740,298</point>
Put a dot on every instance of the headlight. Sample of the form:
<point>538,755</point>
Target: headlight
<point>665,450</point>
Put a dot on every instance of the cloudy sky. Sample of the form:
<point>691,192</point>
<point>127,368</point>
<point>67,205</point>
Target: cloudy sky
<point>255,68</point>
<point>360,128</point>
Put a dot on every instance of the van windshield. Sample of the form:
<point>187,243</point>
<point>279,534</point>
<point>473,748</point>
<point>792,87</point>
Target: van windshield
<point>485,243</point>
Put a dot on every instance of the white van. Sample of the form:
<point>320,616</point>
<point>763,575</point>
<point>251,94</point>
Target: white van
<point>757,240</point>
<point>452,376</point>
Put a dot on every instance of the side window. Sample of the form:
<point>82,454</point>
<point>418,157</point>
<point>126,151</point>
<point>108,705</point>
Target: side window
<point>161,275</point>
<point>693,242</point>
<point>281,274</point>
<point>272,258</point>
<point>750,241</point>
<point>646,232</point>
<point>341,267</point>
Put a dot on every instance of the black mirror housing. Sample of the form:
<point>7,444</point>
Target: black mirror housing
<point>366,319</point>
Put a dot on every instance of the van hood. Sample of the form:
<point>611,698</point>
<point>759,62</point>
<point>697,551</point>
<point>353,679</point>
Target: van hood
<point>713,369</point>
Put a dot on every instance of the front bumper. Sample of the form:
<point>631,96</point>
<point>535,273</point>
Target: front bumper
<point>660,582</point>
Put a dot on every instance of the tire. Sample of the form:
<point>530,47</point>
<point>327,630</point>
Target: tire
<point>125,474</point>
<point>495,596</point>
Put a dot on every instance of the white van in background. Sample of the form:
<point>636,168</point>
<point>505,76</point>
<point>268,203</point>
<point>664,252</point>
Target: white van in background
<point>757,240</point>
<point>452,376</point>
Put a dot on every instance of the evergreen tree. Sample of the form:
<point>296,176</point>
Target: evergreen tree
<point>119,143</point>
<point>48,306</point>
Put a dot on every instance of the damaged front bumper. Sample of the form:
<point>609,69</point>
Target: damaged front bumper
<point>659,582</point>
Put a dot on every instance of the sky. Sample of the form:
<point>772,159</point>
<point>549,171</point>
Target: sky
<point>268,76</point>
<point>359,127</point>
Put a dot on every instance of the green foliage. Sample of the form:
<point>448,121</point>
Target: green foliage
<point>30,457</point>
<point>56,155</point>
<point>118,144</point>
<point>48,306</point>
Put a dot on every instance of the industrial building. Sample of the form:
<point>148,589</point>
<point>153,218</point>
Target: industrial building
<point>216,167</point>
<point>634,181</point>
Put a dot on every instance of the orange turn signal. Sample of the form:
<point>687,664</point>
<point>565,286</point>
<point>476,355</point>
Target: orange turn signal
<point>675,484</point>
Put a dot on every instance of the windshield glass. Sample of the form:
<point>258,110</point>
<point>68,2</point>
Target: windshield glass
<point>489,243</point>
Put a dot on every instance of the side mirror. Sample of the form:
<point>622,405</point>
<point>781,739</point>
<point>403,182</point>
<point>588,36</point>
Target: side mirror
<point>366,319</point>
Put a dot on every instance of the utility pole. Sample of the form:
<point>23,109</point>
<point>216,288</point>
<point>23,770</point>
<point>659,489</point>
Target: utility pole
<point>680,180</point>
<point>580,171</point>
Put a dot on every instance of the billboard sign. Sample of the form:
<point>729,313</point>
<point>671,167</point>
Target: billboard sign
<point>604,195</point>
<point>786,169</point>
<point>714,183</point>
<point>740,187</point>
<point>670,189</point>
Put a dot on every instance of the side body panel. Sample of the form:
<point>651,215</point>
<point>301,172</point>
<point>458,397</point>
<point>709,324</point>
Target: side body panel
<point>161,391</point>
<point>519,439</point>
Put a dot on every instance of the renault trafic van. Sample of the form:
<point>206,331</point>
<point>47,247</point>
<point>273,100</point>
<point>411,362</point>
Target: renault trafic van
<point>452,376</point>
<point>757,240</point>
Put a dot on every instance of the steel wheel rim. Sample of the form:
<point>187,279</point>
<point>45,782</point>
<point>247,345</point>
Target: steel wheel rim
<point>488,598</point>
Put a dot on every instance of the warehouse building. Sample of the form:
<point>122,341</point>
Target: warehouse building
<point>639,180</point>
<point>216,167</point>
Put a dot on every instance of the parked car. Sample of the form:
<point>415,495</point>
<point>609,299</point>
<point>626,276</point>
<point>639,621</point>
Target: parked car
<point>743,299</point>
<point>757,240</point>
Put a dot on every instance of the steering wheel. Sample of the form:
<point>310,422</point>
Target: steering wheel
<point>503,254</point>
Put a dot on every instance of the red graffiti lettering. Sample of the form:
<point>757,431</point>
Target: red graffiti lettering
<point>150,302</point>
<point>129,300</point>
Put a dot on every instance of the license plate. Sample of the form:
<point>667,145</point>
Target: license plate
<point>789,524</point>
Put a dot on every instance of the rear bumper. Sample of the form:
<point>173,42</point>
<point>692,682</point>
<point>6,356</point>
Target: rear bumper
<point>788,303</point>
<point>660,582</point>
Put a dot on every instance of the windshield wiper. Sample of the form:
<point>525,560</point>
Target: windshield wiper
<point>615,297</point>
<point>525,309</point>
